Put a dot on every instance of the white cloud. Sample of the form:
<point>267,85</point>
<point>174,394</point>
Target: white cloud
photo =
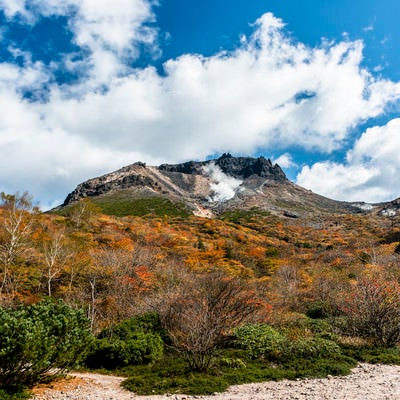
<point>285,161</point>
<point>369,28</point>
<point>371,172</point>
<point>13,8</point>
<point>223,186</point>
<point>269,92</point>
<point>110,33</point>
<point>113,26</point>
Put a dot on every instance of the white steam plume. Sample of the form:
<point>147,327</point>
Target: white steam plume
<point>223,186</point>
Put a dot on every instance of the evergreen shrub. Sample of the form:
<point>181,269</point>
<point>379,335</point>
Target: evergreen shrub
<point>37,339</point>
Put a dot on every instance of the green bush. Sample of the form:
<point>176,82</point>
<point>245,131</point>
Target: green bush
<point>319,310</point>
<point>115,353</point>
<point>132,342</point>
<point>309,347</point>
<point>38,338</point>
<point>259,340</point>
<point>231,362</point>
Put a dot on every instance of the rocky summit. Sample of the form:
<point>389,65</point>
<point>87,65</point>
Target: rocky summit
<point>208,188</point>
<point>237,167</point>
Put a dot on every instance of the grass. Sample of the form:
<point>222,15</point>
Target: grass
<point>232,367</point>
<point>158,206</point>
<point>14,394</point>
<point>123,203</point>
<point>373,355</point>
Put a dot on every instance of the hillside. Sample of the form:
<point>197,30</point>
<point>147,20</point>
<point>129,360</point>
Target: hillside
<point>122,253</point>
<point>316,294</point>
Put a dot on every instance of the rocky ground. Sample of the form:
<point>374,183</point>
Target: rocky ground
<point>367,382</point>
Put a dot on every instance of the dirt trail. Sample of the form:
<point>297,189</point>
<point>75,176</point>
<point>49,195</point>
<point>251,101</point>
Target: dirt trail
<point>367,382</point>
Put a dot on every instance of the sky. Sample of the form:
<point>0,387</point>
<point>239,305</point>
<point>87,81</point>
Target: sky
<point>89,86</point>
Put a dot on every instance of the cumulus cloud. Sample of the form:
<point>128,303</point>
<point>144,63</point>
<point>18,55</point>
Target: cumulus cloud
<point>271,92</point>
<point>12,8</point>
<point>223,186</point>
<point>109,35</point>
<point>370,172</point>
<point>112,34</point>
<point>285,161</point>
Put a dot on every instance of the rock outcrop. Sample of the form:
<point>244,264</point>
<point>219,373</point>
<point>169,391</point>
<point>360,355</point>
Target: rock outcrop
<point>237,167</point>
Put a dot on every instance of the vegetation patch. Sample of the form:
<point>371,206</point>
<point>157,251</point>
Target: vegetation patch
<point>132,342</point>
<point>157,206</point>
<point>14,394</point>
<point>317,285</point>
<point>171,375</point>
<point>254,353</point>
<point>372,354</point>
<point>39,339</point>
<point>241,216</point>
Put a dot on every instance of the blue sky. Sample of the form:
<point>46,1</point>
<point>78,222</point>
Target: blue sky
<point>88,86</point>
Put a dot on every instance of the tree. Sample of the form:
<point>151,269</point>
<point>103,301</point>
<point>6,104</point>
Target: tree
<point>288,282</point>
<point>55,256</point>
<point>100,279</point>
<point>204,310</point>
<point>81,211</point>
<point>13,235</point>
<point>373,310</point>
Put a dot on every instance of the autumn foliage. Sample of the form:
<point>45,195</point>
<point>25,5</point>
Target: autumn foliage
<point>212,273</point>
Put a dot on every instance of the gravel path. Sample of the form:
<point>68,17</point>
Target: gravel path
<point>367,382</point>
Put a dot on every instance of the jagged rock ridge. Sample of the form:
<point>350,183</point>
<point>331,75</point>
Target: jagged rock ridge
<point>238,167</point>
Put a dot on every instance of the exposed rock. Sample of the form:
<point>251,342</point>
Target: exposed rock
<point>238,167</point>
<point>126,177</point>
<point>290,215</point>
<point>390,209</point>
<point>245,167</point>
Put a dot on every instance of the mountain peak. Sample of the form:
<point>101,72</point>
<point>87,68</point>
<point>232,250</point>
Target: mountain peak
<point>199,181</point>
<point>237,167</point>
<point>205,188</point>
<point>244,167</point>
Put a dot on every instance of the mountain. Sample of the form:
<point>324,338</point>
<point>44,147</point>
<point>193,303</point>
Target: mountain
<point>205,188</point>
